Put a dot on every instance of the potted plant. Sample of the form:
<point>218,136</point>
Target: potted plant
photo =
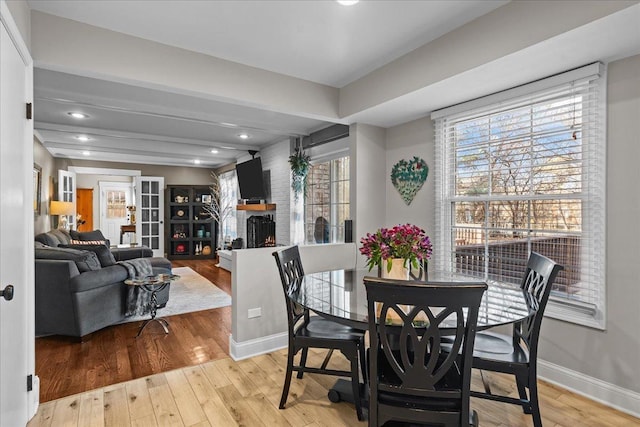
<point>300,162</point>
<point>395,249</point>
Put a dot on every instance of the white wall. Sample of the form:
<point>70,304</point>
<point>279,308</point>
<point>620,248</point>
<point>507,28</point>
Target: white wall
<point>368,188</point>
<point>255,284</point>
<point>404,142</point>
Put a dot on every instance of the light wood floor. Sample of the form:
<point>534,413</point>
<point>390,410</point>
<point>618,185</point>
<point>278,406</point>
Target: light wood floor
<point>186,378</point>
<point>247,393</point>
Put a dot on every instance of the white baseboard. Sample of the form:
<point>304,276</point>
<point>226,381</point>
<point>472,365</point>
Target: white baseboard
<point>255,347</point>
<point>606,393</point>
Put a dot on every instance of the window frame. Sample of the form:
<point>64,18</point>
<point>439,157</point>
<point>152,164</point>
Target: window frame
<point>593,197</point>
<point>335,233</point>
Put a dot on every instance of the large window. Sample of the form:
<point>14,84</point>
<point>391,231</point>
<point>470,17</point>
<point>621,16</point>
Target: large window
<point>525,172</point>
<point>326,205</point>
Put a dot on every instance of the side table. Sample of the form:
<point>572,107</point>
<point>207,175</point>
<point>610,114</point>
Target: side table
<point>153,284</point>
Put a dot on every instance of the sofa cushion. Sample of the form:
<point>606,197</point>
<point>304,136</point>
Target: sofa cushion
<point>123,254</point>
<point>54,238</point>
<point>84,260</point>
<point>87,235</point>
<point>101,250</point>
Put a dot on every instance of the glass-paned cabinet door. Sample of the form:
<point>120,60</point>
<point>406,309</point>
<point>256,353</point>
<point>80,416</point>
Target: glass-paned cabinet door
<point>67,193</point>
<point>150,223</point>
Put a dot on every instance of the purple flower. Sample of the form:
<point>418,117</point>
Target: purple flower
<point>407,241</point>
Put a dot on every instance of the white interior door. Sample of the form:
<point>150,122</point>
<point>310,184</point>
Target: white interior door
<point>67,193</point>
<point>16,227</point>
<point>114,199</point>
<point>150,213</point>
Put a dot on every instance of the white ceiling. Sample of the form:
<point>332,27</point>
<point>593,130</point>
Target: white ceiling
<point>316,40</point>
<point>319,41</point>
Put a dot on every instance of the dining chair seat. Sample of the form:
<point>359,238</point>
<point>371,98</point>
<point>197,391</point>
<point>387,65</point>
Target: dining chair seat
<point>498,347</point>
<point>320,328</point>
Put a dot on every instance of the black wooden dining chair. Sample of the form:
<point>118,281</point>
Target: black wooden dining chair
<point>412,378</point>
<point>307,331</point>
<point>517,354</point>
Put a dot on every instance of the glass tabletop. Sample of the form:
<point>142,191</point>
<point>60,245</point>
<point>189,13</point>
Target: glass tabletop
<point>152,279</point>
<point>341,296</point>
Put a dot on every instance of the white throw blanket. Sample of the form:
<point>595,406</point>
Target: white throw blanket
<point>137,299</point>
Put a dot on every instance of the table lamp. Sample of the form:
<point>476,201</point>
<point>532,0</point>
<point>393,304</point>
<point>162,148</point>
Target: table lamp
<point>62,209</point>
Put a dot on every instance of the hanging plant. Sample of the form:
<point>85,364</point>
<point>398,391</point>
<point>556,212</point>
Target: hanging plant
<point>299,162</point>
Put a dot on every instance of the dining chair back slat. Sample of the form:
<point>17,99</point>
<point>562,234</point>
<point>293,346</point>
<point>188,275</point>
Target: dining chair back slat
<point>421,342</point>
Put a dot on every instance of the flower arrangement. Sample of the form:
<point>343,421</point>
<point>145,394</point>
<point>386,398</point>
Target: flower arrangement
<point>408,242</point>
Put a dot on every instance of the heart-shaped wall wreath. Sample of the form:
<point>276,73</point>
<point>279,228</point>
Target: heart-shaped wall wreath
<point>407,176</point>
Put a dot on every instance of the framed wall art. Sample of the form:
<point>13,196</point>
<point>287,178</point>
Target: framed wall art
<point>37,189</point>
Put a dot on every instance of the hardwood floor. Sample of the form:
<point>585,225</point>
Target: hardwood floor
<point>186,378</point>
<point>114,355</point>
<point>247,393</point>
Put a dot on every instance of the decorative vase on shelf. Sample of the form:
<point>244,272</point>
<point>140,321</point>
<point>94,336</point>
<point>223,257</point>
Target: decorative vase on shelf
<point>398,270</point>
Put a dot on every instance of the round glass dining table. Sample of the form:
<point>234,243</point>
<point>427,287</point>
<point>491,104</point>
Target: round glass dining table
<point>340,295</point>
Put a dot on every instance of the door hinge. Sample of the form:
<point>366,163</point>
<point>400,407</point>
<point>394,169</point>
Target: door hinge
<point>29,382</point>
<point>29,111</point>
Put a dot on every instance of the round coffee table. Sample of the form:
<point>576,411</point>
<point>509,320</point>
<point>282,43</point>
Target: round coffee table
<point>153,284</point>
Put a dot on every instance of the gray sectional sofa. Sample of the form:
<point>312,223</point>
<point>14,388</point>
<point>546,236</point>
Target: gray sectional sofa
<point>79,287</point>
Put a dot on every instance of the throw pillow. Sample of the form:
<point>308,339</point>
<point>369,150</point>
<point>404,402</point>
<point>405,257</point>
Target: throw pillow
<point>104,254</point>
<point>88,242</point>
<point>85,260</point>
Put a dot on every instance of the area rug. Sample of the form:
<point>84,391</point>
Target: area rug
<point>192,292</point>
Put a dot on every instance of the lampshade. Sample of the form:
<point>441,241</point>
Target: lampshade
<point>61,208</point>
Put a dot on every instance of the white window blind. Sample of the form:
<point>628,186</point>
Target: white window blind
<point>521,171</point>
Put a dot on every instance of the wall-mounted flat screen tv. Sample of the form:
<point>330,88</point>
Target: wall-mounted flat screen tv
<point>250,179</point>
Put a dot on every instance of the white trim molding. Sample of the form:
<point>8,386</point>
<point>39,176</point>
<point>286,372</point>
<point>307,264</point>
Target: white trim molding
<point>104,171</point>
<point>622,399</point>
<point>257,346</point>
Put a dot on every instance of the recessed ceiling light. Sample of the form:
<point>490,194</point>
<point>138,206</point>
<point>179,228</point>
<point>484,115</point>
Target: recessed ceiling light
<point>77,115</point>
<point>86,153</point>
<point>347,2</point>
<point>83,138</point>
<point>243,135</point>
<point>214,151</point>
<point>196,161</point>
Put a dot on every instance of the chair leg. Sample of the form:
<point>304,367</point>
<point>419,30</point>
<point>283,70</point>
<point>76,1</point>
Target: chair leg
<point>522,391</point>
<point>373,408</point>
<point>355,384</point>
<point>287,379</point>
<point>303,361</point>
<point>363,362</point>
<point>535,407</point>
